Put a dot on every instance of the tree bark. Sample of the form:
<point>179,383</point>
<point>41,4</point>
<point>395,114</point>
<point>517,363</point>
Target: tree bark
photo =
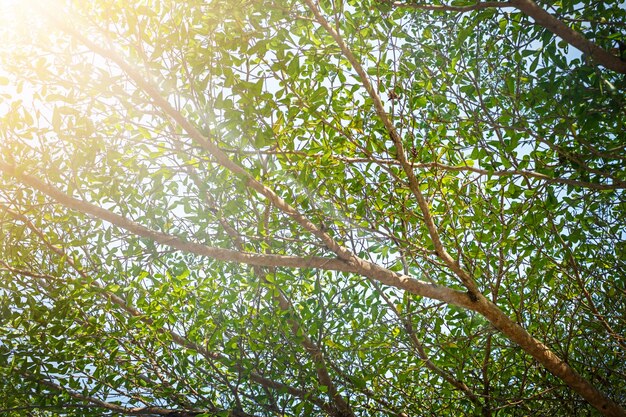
<point>599,55</point>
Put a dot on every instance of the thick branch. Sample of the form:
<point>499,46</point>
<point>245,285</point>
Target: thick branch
<point>414,184</point>
<point>569,35</point>
<point>548,359</point>
<point>488,309</point>
<point>542,18</point>
<point>361,267</point>
<point>511,329</point>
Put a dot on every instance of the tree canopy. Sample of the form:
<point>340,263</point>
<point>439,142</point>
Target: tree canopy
<point>312,208</point>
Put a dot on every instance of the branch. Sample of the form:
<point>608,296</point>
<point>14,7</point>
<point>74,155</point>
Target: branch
<point>548,359</point>
<point>360,266</point>
<point>400,156</point>
<point>421,352</point>
<point>116,300</point>
<point>446,8</point>
<point>616,185</point>
<point>574,265</point>
<point>480,304</point>
<point>134,411</point>
<point>569,35</point>
<point>206,144</point>
<point>173,241</point>
<point>351,263</point>
<point>285,305</point>
<point>176,338</point>
<point>541,18</point>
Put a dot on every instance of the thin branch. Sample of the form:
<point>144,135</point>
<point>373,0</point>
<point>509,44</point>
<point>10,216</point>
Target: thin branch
<point>285,305</point>
<point>421,352</point>
<point>176,338</point>
<point>573,264</point>
<point>617,185</point>
<point>447,8</point>
<point>134,411</point>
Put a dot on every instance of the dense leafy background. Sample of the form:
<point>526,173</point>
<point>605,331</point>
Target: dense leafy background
<point>517,140</point>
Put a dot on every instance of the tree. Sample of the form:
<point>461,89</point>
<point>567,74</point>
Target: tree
<point>267,208</point>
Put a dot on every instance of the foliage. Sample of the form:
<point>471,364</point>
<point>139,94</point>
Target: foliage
<point>267,208</point>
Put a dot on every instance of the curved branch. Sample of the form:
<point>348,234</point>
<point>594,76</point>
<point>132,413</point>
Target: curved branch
<point>173,241</point>
<point>480,304</point>
<point>542,18</point>
<point>361,266</point>
<point>569,35</point>
<point>400,155</point>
